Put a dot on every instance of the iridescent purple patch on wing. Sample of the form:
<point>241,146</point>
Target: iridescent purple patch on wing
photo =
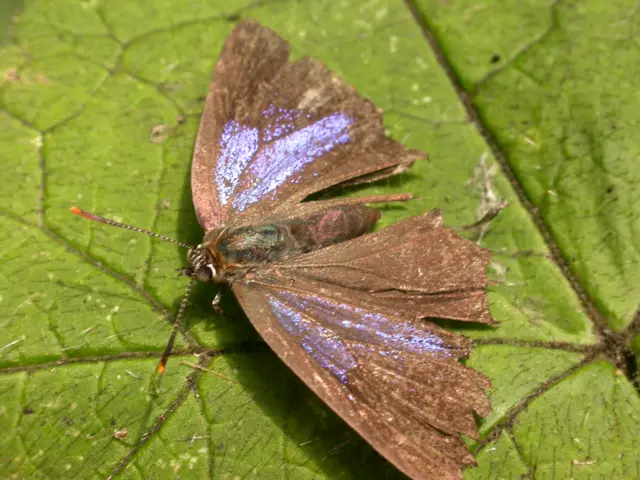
<point>361,326</point>
<point>238,145</point>
<point>362,330</point>
<point>281,122</point>
<point>323,345</point>
<point>280,160</point>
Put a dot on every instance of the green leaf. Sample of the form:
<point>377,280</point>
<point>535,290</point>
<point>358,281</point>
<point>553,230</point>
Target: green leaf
<point>533,103</point>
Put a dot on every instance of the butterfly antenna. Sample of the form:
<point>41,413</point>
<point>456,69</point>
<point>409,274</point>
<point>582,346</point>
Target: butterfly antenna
<point>97,218</point>
<point>176,326</point>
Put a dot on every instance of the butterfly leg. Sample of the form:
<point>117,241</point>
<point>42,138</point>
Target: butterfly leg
<point>185,271</point>
<point>215,303</point>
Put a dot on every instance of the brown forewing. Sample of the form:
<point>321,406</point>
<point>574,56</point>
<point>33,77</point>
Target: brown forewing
<point>253,73</point>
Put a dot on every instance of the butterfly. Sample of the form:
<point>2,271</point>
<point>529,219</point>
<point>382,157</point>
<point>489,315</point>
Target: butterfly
<point>343,308</point>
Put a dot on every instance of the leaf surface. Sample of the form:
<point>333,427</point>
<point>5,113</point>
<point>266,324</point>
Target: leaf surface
<point>534,103</point>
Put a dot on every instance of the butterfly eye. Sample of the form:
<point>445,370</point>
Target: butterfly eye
<point>206,273</point>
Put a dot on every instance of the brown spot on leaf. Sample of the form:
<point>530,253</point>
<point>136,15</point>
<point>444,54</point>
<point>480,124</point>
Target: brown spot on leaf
<point>120,434</point>
<point>159,134</point>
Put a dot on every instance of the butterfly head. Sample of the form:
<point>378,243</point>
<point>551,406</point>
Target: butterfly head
<point>203,265</point>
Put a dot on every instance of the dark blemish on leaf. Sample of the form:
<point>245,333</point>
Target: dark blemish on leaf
<point>495,58</point>
<point>610,188</point>
<point>234,17</point>
<point>631,370</point>
<point>67,421</point>
<point>220,447</point>
<point>27,411</point>
<point>617,348</point>
<point>201,98</point>
<point>112,422</point>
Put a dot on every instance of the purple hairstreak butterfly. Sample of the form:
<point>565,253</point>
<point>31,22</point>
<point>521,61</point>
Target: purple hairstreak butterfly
<point>343,308</point>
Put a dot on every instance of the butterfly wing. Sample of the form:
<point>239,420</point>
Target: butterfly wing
<point>273,132</point>
<point>361,348</point>
<point>417,265</point>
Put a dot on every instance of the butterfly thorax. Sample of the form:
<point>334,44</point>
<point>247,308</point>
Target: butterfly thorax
<point>228,254</point>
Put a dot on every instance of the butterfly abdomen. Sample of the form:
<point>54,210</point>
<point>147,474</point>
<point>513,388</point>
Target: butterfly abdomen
<point>333,225</point>
<point>286,238</point>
